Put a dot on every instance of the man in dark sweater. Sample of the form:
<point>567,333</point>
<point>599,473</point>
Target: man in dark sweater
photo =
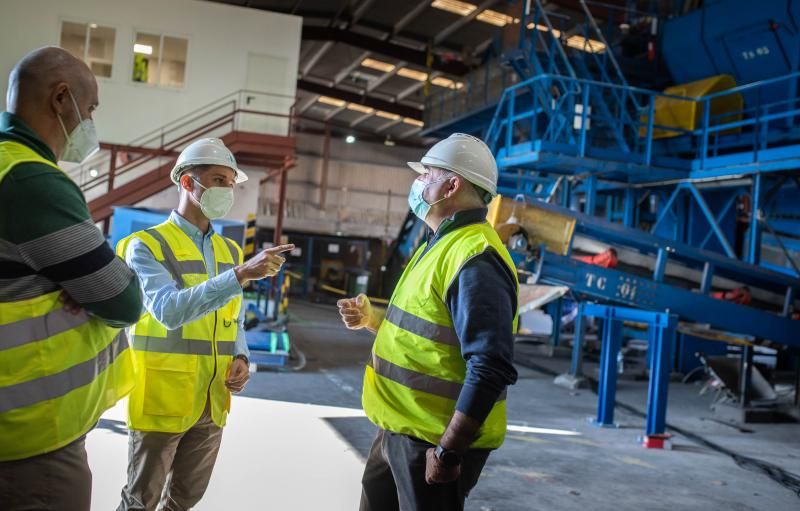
<point>435,384</point>
<point>64,295</point>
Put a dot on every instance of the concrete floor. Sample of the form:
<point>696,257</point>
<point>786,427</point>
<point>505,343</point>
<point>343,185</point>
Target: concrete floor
<point>296,441</point>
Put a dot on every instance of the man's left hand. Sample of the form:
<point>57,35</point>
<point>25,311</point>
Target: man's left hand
<point>238,376</point>
<point>436,472</point>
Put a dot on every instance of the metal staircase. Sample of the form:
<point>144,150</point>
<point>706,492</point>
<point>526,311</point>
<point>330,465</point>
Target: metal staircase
<point>257,127</point>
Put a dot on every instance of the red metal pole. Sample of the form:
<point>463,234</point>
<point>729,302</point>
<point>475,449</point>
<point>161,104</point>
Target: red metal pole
<point>112,168</point>
<point>281,204</point>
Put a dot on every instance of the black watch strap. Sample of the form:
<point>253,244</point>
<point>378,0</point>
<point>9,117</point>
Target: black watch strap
<point>448,457</point>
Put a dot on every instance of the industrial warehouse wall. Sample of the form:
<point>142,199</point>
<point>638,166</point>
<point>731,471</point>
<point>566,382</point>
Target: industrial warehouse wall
<point>223,42</point>
<point>366,193</point>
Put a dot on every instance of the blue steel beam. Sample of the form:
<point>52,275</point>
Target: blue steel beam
<point>693,257</point>
<point>710,219</point>
<point>719,217</point>
<point>622,288</point>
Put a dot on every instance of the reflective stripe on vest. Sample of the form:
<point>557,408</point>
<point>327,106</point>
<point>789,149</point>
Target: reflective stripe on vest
<point>56,385</point>
<point>35,329</point>
<point>61,371</point>
<point>416,372</point>
<point>419,381</point>
<point>181,367</point>
<point>175,343</point>
<point>421,327</point>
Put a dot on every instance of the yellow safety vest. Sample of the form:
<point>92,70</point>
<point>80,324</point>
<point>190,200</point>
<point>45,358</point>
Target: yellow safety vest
<point>178,369</point>
<point>58,372</point>
<point>416,370</point>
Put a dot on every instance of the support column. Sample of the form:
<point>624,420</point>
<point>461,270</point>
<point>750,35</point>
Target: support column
<point>746,376</point>
<point>591,195</point>
<point>662,339</point>
<point>281,205</point>
<point>323,180</point>
<point>754,241</point>
<point>607,386</point>
<point>574,379</point>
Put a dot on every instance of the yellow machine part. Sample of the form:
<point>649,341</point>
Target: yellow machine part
<point>688,115</point>
<point>553,229</point>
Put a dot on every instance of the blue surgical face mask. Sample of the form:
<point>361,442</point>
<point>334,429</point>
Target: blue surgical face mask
<point>416,198</point>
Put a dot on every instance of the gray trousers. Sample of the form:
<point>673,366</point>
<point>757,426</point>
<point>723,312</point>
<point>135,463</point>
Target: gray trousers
<point>56,481</point>
<point>394,477</point>
<point>170,471</point>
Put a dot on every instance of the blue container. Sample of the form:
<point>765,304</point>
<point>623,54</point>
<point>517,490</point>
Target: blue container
<point>748,40</point>
<point>128,220</point>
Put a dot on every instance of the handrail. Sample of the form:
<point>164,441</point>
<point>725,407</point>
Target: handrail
<point>599,32</point>
<point>640,128</point>
<point>560,48</point>
<point>169,137</point>
<point>216,104</point>
<point>753,85</point>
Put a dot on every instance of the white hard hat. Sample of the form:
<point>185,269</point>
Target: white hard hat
<point>464,155</point>
<point>206,151</point>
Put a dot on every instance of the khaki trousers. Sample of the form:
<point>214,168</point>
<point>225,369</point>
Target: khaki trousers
<point>56,481</point>
<point>170,471</point>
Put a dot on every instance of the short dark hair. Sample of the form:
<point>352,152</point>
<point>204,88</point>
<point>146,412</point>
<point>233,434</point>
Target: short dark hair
<point>196,170</point>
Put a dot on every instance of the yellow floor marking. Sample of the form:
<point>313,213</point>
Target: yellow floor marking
<point>633,461</point>
<point>531,439</point>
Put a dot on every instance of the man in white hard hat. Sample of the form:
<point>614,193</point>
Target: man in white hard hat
<point>436,381</point>
<point>189,345</point>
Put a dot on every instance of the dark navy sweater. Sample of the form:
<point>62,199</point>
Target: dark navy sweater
<point>482,302</point>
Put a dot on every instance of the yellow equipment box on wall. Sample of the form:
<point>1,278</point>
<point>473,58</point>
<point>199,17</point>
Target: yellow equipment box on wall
<point>686,114</point>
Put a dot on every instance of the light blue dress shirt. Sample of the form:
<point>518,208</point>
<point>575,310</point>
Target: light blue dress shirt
<point>173,307</point>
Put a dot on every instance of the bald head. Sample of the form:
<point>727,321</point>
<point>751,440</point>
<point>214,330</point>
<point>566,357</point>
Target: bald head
<point>42,70</point>
<point>40,91</point>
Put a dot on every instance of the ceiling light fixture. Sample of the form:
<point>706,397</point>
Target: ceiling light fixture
<point>495,18</point>
<point>543,28</point>
<point>327,100</point>
<point>350,139</point>
<point>413,122</point>
<point>413,74</point>
<point>387,115</point>
<point>588,45</point>
<point>447,83</point>
<point>454,6</point>
<point>360,108</point>
<point>378,65</point>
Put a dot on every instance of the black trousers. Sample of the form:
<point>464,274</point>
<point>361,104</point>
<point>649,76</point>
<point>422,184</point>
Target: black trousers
<point>394,478</point>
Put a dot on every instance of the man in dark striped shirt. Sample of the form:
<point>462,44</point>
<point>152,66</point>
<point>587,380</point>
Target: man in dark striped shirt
<point>49,244</point>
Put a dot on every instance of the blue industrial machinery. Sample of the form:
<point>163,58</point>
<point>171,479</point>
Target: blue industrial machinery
<point>662,327</point>
<point>751,41</point>
<point>659,275</point>
<point>697,189</point>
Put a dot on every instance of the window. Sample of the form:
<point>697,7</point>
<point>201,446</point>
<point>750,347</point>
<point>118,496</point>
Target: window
<point>91,43</point>
<point>159,60</point>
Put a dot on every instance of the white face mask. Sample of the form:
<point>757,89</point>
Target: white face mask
<point>416,198</point>
<point>215,202</point>
<point>82,142</point>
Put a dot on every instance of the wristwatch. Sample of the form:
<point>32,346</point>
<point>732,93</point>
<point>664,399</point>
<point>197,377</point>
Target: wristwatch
<point>243,357</point>
<point>448,457</point>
